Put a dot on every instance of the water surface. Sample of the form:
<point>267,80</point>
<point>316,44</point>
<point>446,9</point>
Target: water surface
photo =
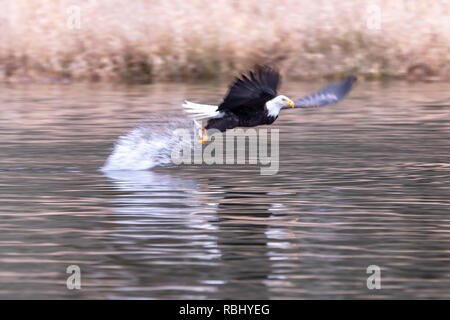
<point>365,182</point>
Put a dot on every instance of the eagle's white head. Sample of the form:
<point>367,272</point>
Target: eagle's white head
<point>276,104</point>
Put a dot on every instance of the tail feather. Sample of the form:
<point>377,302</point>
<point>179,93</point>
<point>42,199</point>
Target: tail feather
<point>201,111</point>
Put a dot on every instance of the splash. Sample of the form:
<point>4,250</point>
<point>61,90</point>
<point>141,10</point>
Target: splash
<point>145,147</point>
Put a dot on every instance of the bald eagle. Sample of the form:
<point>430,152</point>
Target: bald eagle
<point>252,100</point>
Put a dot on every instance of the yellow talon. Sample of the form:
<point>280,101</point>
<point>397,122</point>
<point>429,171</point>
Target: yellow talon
<point>203,137</point>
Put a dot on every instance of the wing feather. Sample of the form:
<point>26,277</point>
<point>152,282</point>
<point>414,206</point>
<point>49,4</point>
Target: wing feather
<point>333,93</point>
<point>252,90</point>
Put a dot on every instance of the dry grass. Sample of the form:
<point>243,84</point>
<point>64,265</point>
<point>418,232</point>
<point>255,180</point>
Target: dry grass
<point>142,41</point>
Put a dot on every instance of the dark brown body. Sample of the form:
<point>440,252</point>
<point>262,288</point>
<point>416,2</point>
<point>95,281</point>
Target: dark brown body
<point>243,117</point>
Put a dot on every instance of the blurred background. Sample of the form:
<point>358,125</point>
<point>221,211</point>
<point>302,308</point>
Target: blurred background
<point>143,41</point>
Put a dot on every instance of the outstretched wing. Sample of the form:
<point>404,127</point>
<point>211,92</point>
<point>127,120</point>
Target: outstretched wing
<point>253,90</point>
<point>333,93</point>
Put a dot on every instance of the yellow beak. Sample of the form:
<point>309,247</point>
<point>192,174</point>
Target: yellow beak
<point>289,103</point>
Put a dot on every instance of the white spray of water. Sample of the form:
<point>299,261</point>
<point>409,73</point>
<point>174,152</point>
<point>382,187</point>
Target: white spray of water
<point>144,147</point>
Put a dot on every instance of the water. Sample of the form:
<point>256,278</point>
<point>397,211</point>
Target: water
<point>362,183</point>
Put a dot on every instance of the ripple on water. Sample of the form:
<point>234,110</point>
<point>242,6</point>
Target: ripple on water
<point>365,182</point>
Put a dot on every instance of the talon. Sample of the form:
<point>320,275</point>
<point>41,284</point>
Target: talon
<point>203,138</point>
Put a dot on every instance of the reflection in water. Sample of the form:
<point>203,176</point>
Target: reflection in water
<point>155,212</point>
<point>228,234</point>
<point>361,183</point>
<point>243,244</point>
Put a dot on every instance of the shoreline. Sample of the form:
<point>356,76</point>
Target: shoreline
<point>117,41</point>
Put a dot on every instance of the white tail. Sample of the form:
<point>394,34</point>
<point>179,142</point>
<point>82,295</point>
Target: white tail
<point>201,111</point>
